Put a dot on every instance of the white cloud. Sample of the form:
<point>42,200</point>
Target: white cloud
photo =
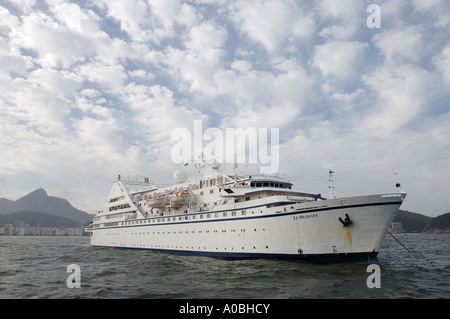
<point>343,10</point>
<point>402,95</point>
<point>264,98</point>
<point>195,66</point>
<point>339,61</point>
<point>401,45</point>
<point>133,16</point>
<point>73,17</point>
<point>153,21</point>
<point>140,74</point>
<point>24,5</point>
<point>157,112</point>
<point>110,77</point>
<point>272,23</point>
<point>170,13</point>
<point>347,15</point>
<point>442,62</point>
<point>392,9</point>
<point>439,9</point>
<point>55,45</point>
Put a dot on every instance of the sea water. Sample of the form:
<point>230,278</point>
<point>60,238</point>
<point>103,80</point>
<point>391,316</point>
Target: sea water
<point>50,267</point>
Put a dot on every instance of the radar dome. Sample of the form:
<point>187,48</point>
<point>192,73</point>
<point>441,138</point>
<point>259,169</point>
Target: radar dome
<point>179,176</point>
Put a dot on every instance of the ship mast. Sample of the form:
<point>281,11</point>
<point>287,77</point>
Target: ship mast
<point>331,186</point>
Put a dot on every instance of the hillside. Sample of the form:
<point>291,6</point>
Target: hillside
<point>39,201</point>
<point>439,224</point>
<point>412,222</point>
<point>34,219</point>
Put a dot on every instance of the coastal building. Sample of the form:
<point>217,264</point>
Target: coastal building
<point>26,230</point>
<point>396,227</point>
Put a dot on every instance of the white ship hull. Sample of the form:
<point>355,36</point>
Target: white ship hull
<point>271,227</point>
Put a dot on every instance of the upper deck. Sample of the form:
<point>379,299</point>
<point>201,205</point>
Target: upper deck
<point>213,192</point>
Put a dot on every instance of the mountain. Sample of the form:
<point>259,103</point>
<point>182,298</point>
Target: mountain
<point>412,222</point>
<point>39,201</point>
<point>5,205</point>
<point>439,224</point>
<point>34,219</point>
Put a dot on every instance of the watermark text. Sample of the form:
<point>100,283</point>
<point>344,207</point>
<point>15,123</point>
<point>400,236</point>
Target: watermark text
<point>232,145</point>
<point>374,279</point>
<point>74,279</point>
<point>374,19</point>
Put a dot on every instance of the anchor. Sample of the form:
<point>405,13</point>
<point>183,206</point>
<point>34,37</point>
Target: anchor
<point>347,221</point>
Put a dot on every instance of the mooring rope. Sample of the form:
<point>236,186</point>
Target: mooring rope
<point>402,245</point>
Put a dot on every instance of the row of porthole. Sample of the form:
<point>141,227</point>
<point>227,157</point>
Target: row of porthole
<point>180,232</point>
<point>184,217</point>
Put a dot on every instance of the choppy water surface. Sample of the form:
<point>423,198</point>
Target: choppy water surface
<point>36,267</point>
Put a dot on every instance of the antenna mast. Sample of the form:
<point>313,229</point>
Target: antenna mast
<point>235,166</point>
<point>331,187</point>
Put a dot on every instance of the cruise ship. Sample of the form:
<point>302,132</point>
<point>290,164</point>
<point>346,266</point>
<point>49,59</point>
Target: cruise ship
<point>231,216</point>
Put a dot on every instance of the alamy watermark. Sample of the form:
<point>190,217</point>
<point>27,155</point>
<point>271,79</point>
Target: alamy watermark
<point>374,279</point>
<point>74,279</point>
<point>374,19</point>
<point>232,145</point>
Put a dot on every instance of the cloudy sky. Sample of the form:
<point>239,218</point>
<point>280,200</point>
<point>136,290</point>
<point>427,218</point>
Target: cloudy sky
<point>92,89</point>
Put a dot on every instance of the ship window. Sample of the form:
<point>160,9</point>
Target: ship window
<point>247,198</point>
<point>211,191</point>
<point>225,214</point>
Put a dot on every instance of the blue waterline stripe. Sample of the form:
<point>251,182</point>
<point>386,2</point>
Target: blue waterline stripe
<point>306,211</point>
<point>337,257</point>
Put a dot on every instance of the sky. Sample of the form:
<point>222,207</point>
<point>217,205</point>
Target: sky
<point>93,89</point>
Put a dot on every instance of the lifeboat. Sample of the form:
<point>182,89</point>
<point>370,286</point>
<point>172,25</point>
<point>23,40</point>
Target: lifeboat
<point>181,198</point>
<point>157,202</point>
